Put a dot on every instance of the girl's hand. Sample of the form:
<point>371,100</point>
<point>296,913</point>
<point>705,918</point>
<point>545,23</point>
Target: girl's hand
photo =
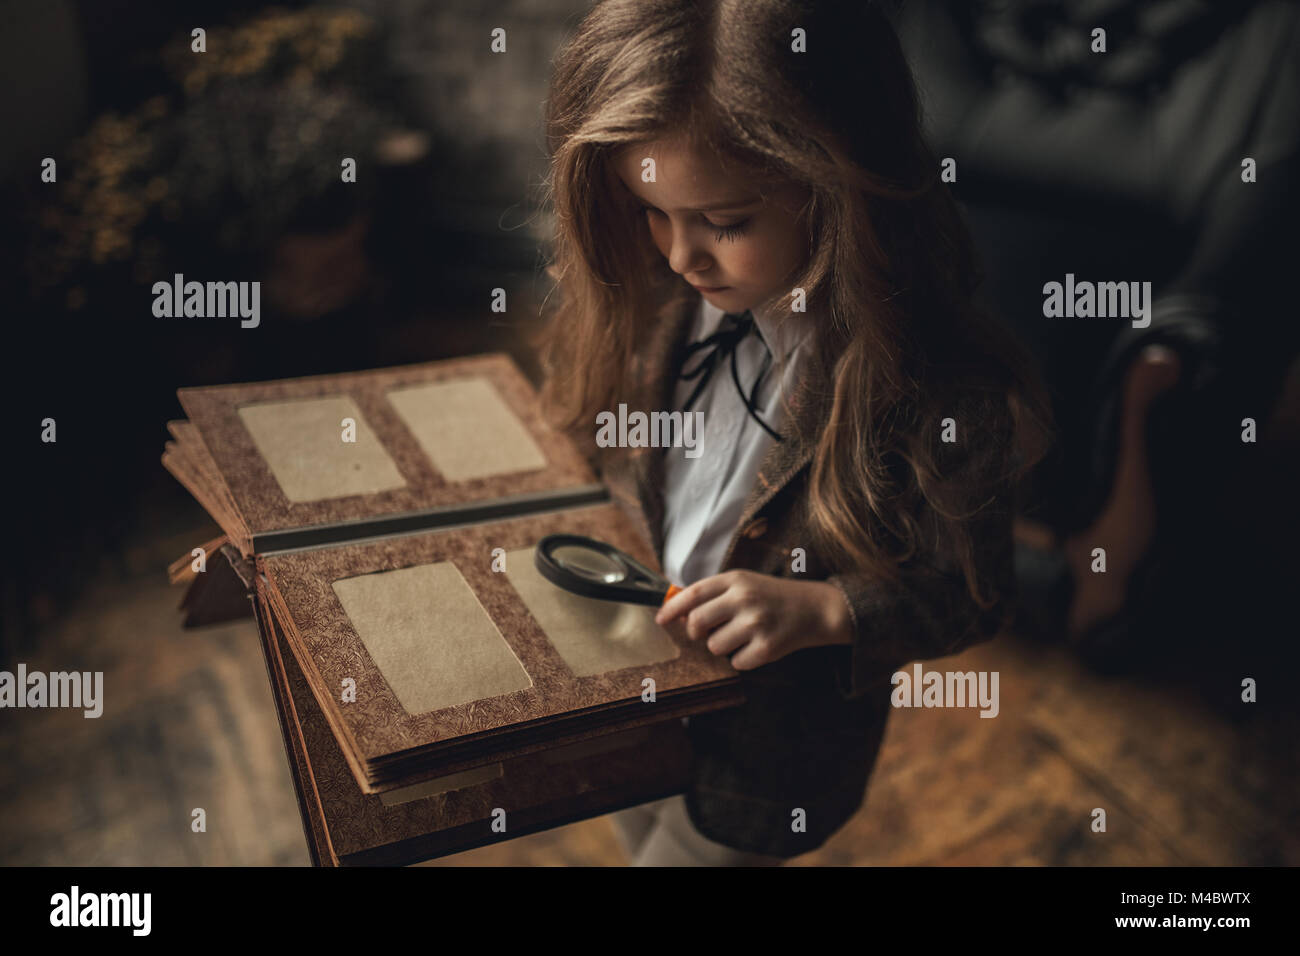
<point>758,617</point>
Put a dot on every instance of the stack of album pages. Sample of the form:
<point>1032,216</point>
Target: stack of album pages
<point>435,691</point>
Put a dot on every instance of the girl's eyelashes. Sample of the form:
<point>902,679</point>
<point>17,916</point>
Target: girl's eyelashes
<point>728,232</point>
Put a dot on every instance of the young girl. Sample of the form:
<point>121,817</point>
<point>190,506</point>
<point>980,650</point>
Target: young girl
<point>749,225</point>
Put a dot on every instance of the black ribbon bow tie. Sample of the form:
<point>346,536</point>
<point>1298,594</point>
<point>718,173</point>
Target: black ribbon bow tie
<point>731,332</point>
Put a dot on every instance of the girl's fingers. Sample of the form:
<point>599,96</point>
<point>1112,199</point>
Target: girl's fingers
<point>691,597</point>
<point>753,654</point>
<point>710,615</point>
<point>728,639</point>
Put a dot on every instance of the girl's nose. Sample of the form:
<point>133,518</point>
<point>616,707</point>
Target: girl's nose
<point>687,254</point>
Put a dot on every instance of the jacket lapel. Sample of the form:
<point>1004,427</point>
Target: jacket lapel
<point>808,409</point>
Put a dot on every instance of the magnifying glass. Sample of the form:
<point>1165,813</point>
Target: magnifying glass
<point>598,570</point>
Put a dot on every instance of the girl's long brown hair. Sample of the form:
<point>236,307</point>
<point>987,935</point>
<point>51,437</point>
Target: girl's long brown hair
<point>890,276</point>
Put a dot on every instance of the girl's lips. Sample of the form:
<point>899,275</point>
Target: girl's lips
<point>711,288</point>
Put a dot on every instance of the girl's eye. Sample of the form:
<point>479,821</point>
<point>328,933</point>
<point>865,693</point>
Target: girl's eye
<point>730,232</point>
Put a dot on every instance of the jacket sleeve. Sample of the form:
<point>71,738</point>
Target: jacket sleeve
<point>931,612</point>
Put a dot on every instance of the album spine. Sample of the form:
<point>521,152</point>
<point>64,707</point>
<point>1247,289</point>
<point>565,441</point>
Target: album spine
<point>430,519</point>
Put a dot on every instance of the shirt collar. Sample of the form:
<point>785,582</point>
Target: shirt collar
<point>782,337</point>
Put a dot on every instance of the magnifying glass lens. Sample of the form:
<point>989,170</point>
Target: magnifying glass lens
<point>592,565</point>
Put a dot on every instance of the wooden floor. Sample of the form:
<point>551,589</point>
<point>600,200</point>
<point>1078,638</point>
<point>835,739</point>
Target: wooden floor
<point>1186,773</point>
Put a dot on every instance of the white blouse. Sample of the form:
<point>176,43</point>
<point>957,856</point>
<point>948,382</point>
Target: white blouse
<point>704,496</point>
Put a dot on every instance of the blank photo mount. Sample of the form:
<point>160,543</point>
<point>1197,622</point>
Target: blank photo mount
<point>467,429</point>
<point>302,443</point>
<point>429,636</point>
<point>592,636</point>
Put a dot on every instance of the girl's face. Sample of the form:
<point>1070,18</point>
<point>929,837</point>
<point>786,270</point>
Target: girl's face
<point>738,248</point>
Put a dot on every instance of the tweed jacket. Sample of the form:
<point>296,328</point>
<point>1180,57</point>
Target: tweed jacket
<point>808,734</point>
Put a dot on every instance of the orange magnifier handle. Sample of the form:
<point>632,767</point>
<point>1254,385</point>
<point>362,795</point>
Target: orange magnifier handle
<point>672,589</point>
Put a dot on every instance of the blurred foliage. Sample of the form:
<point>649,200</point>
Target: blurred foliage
<point>298,47</point>
<point>247,149</point>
